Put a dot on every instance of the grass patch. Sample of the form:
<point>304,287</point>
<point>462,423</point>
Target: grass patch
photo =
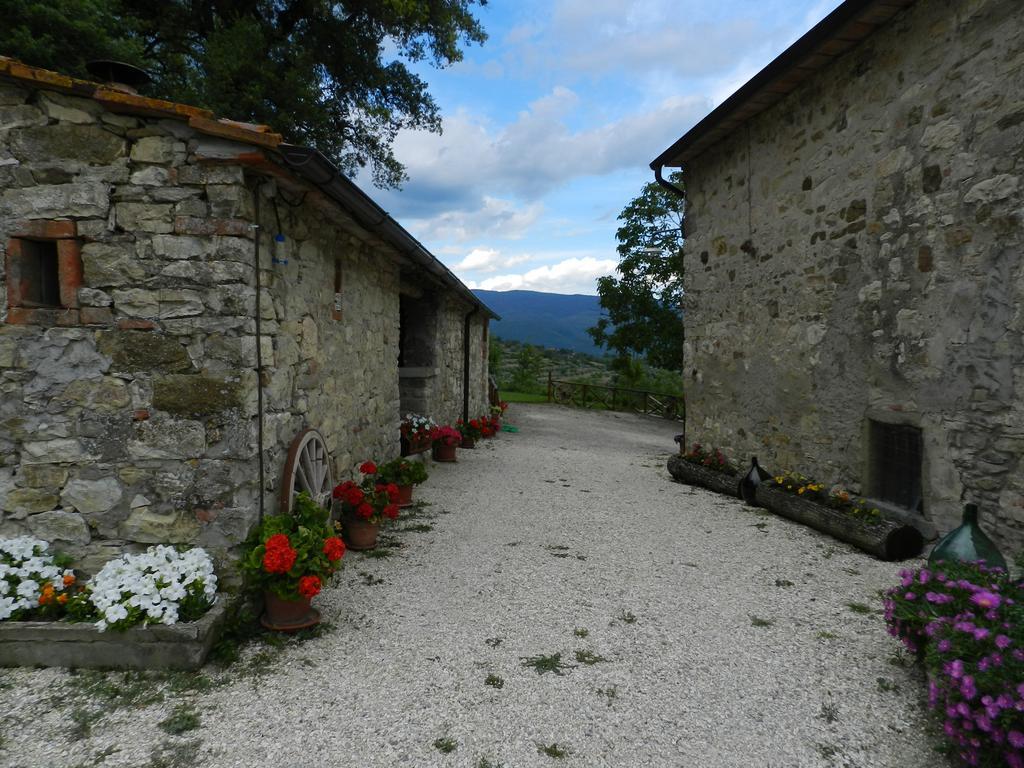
<point>494,642</point>
<point>523,397</point>
<point>886,686</point>
<point>446,745</point>
<point>369,579</point>
<point>544,664</point>
<point>553,750</point>
<point>783,583</point>
<point>417,528</point>
<point>610,693</point>
<point>581,632</point>
<point>826,635</point>
<point>184,718</point>
<point>182,754</point>
<point>494,681</point>
<point>589,658</point>
<point>483,762</point>
<point>860,608</point>
<point>829,712</point>
<point>379,552</point>
<point>627,617</point>
<point>757,621</point>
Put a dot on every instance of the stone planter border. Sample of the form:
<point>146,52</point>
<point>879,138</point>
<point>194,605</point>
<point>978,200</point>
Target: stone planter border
<point>693,474</point>
<point>158,646</point>
<point>886,539</point>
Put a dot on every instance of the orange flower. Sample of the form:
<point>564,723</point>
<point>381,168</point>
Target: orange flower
<point>62,599</point>
<point>69,579</point>
<point>47,596</point>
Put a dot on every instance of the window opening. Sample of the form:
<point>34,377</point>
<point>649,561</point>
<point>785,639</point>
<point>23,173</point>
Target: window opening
<point>896,460</point>
<point>39,274</point>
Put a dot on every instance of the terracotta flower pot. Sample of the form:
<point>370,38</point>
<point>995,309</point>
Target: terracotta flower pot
<point>444,452</point>
<point>288,615</point>
<point>468,442</point>
<point>404,495</point>
<point>359,534</point>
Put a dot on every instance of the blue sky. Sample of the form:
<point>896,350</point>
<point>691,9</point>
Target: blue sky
<point>549,127</point>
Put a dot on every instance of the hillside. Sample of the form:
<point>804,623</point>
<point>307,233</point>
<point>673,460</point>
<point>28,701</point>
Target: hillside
<point>544,319</point>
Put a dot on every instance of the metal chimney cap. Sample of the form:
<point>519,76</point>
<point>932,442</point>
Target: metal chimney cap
<point>119,75</point>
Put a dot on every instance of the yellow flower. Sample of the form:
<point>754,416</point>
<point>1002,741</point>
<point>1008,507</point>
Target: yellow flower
<point>802,489</point>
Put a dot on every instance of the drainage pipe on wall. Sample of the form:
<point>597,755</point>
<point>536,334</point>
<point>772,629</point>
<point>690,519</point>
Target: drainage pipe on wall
<point>666,184</point>
<point>259,349</point>
<point>466,322</point>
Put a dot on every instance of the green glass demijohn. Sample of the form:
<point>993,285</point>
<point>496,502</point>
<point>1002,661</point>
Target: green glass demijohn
<point>968,543</point>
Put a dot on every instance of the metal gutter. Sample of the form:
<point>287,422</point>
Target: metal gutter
<point>314,167</point>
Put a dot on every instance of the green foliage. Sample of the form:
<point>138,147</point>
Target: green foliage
<point>644,303</point>
<point>182,719</point>
<point>529,368</point>
<point>332,75</point>
<point>307,528</point>
<point>402,472</point>
<point>446,745</point>
<point>543,664</point>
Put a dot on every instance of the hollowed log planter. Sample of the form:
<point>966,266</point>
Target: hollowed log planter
<point>693,474</point>
<point>415,445</point>
<point>885,539</point>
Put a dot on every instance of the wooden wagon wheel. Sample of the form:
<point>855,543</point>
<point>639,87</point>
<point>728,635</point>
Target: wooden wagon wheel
<point>308,468</point>
<point>562,394</point>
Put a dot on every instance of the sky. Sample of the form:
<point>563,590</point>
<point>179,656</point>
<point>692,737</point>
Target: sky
<point>550,125</point>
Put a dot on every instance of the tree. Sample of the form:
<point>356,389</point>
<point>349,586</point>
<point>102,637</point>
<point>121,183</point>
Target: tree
<point>643,305</point>
<point>315,70</point>
<point>529,366</point>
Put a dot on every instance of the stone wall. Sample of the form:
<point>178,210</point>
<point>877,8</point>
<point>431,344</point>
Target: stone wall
<point>336,372</point>
<point>129,416</point>
<point>854,254</point>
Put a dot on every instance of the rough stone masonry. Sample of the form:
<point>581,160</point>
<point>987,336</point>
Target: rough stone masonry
<point>854,255</point>
<point>128,414</point>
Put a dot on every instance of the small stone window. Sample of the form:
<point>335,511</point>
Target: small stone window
<point>336,303</point>
<point>896,457</point>
<point>44,273</point>
<point>39,276</point>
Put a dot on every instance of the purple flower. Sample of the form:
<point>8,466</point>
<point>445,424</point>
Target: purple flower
<point>980,633</point>
<point>986,599</point>
<point>910,596</point>
<point>1003,642</point>
<point>1016,739</point>
<point>924,576</point>
<point>944,646</point>
<point>954,669</point>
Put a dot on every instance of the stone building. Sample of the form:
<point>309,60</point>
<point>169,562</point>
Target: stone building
<point>853,263</point>
<point>134,322</point>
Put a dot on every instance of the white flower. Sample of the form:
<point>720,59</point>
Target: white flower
<point>153,583</point>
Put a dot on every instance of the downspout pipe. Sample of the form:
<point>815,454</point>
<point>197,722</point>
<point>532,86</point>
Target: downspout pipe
<point>666,184</point>
<point>466,322</point>
<point>259,349</point>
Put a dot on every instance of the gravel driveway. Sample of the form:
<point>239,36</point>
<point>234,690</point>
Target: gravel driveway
<point>558,593</point>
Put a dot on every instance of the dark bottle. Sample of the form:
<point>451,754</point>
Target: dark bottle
<point>753,478</point>
<point>968,543</point>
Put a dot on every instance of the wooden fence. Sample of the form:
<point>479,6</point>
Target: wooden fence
<point>603,396</point>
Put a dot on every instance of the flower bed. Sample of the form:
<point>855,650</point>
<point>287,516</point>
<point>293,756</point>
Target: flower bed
<point>885,539</point>
<point>47,618</point>
<point>416,433</point>
<point>964,621</point>
<point>693,473</point>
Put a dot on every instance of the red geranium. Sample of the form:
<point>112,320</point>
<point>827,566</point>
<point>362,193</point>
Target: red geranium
<point>365,511</point>
<point>334,548</point>
<point>278,557</point>
<point>391,511</point>
<point>309,586</point>
<point>368,468</point>
<point>342,489</point>
<point>392,490</point>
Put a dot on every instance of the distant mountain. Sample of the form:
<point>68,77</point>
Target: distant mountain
<point>546,319</point>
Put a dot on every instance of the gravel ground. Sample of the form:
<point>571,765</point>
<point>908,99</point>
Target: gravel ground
<point>716,635</point>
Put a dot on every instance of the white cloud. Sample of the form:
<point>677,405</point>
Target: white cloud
<point>571,275</point>
<point>494,218</point>
<point>490,260</point>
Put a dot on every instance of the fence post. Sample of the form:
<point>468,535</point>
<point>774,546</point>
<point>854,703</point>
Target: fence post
<point>645,403</point>
<point>584,397</point>
<point>551,388</point>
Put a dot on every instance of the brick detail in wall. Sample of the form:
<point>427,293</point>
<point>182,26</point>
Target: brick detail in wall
<point>69,274</point>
